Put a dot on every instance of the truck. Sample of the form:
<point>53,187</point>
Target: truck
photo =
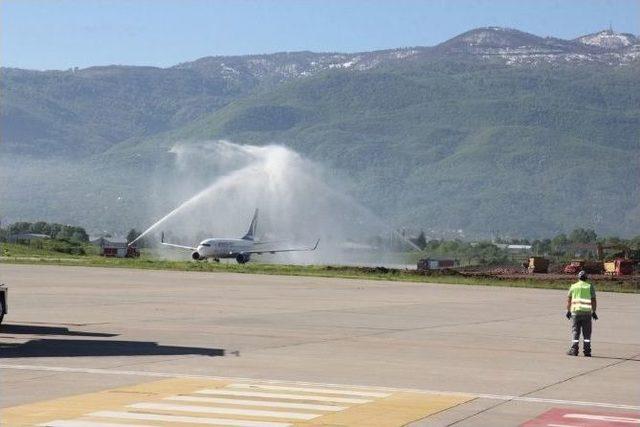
<point>537,264</point>
<point>619,267</point>
<point>591,267</point>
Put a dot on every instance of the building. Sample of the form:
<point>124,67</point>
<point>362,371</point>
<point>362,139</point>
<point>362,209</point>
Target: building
<point>514,248</point>
<point>111,246</point>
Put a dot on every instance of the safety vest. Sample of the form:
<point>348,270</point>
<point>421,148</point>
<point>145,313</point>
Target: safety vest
<point>580,297</point>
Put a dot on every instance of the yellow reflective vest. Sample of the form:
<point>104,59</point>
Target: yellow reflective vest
<point>580,293</point>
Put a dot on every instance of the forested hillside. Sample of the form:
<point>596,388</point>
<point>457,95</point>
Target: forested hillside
<point>465,135</point>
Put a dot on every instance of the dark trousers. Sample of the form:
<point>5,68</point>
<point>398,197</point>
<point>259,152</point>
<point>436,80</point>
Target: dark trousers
<point>581,323</point>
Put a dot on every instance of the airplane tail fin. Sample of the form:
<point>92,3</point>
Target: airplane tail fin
<point>251,234</point>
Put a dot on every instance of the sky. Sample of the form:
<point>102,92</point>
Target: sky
<point>60,34</point>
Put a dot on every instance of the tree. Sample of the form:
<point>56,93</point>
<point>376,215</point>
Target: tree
<point>421,240</point>
<point>19,227</point>
<point>79,236</point>
<point>132,235</point>
<point>542,247</point>
<point>559,240</point>
<point>40,227</point>
<point>582,235</point>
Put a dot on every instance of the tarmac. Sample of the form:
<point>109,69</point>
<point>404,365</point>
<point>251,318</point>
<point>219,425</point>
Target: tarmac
<point>100,347</point>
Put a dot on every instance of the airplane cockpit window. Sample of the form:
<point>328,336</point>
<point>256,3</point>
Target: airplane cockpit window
<point>205,244</point>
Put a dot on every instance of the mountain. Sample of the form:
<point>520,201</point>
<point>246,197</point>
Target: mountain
<point>517,47</point>
<point>495,129</point>
<point>609,39</point>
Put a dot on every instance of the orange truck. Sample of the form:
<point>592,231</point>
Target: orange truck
<point>619,267</point>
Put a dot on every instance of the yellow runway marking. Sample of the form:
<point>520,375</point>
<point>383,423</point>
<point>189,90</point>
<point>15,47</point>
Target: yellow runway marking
<point>396,410</point>
<point>190,402</point>
<point>76,406</point>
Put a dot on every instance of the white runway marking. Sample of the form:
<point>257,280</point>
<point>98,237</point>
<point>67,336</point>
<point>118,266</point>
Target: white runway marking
<point>606,418</point>
<point>81,423</point>
<point>264,403</point>
<point>315,398</point>
<point>309,390</point>
<point>224,411</point>
<point>185,419</point>
<point>303,383</point>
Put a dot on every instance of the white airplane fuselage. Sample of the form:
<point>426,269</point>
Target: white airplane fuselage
<point>218,248</point>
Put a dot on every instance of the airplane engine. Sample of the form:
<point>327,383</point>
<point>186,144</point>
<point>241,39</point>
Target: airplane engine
<point>242,258</point>
<point>196,256</point>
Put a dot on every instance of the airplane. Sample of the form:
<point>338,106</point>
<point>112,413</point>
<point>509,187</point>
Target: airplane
<point>240,249</point>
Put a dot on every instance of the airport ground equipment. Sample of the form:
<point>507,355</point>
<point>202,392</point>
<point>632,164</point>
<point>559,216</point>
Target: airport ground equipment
<point>132,252</point>
<point>4,298</point>
<point>619,267</point>
<point>591,267</point>
<point>435,264</point>
<point>538,264</point>
<point>116,248</point>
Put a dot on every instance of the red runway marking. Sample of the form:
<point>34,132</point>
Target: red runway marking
<point>558,417</point>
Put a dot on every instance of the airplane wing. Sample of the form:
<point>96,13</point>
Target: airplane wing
<point>178,246</point>
<point>174,245</point>
<point>273,251</point>
<point>268,242</point>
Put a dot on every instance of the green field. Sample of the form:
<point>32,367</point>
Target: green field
<point>23,254</point>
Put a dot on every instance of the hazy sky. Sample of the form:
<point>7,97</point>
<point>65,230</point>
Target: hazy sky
<point>58,34</point>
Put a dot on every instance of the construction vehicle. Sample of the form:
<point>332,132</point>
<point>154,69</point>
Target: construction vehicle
<point>538,264</point>
<point>621,262</point>
<point>619,267</point>
<point>591,267</point>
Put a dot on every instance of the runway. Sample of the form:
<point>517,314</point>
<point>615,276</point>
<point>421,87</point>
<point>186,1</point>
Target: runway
<point>116,347</point>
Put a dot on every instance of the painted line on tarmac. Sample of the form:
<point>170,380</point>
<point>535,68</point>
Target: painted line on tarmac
<point>83,423</point>
<point>314,398</point>
<point>98,371</point>
<point>258,403</point>
<point>186,419</point>
<point>225,411</point>
<point>307,389</point>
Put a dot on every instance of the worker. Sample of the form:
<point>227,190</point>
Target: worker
<point>581,308</point>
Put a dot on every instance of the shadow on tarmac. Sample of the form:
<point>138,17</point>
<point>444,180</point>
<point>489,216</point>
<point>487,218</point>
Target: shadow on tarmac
<point>48,330</point>
<point>71,348</point>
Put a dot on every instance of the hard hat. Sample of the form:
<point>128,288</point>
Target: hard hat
<point>582,275</point>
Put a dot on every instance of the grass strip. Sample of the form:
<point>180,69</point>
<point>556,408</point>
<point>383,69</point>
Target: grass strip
<point>347,272</point>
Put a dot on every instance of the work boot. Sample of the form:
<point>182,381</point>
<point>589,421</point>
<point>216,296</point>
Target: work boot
<point>587,352</point>
<point>572,351</point>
